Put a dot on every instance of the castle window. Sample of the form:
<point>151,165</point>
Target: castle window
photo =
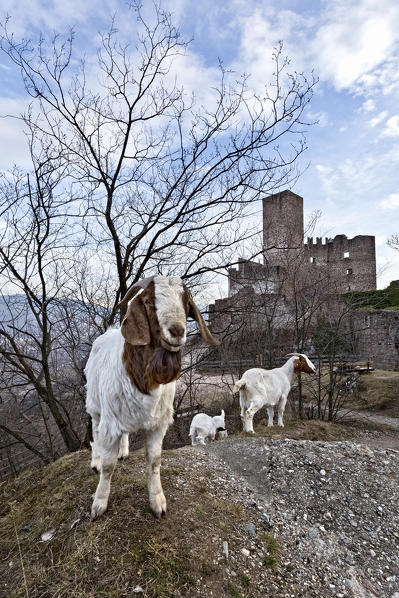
<point>349,271</point>
<point>346,253</point>
<point>312,260</point>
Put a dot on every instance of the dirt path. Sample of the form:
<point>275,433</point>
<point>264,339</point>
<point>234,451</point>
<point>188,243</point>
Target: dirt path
<point>383,420</point>
<point>387,438</point>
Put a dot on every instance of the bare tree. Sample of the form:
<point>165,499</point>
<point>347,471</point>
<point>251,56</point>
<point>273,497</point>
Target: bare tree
<point>44,327</point>
<point>163,183</point>
<point>393,241</point>
<point>130,176</point>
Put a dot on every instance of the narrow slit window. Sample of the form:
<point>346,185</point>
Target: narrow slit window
<point>346,253</point>
<point>349,271</point>
<point>312,260</point>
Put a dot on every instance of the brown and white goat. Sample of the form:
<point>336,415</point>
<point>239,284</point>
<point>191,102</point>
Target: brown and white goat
<point>131,374</point>
<point>259,387</point>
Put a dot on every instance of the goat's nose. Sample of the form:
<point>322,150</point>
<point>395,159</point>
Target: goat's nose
<point>176,330</point>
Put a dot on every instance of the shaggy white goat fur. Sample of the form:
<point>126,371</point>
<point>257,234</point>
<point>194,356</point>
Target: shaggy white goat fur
<point>118,407</point>
<point>205,428</point>
<point>259,387</point>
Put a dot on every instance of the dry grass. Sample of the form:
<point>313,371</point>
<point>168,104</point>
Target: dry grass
<point>304,430</point>
<point>379,391</point>
<point>125,548</point>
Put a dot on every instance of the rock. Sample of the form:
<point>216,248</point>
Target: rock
<point>250,529</point>
<point>47,536</point>
<point>245,551</point>
<point>225,549</point>
<point>313,533</point>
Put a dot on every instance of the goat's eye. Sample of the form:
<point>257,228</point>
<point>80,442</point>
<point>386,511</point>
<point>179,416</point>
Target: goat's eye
<point>148,302</point>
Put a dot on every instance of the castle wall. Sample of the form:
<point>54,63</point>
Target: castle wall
<point>351,262</point>
<point>377,336</point>
<point>262,279</point>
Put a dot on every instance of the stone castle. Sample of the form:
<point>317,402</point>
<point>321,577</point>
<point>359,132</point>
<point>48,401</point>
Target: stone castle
<point>260,292</point>
<point>346,264</point>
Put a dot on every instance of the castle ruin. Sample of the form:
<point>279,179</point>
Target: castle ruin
<point>345,264</point>
<point>262,297</point>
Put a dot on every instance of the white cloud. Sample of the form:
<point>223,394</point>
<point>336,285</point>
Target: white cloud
<point>378,119</point>
<point>320,117</point>
<point>355,38</point>
<point>392,127</point>
<point>369,106</point>
<point>391,202</point>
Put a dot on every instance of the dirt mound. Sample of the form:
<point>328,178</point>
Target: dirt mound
<point>247,518</point>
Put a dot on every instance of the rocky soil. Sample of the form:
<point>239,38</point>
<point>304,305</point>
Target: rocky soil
<point>332,506</point>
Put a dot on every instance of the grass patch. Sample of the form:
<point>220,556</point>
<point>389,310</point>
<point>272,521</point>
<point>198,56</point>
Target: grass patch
<point>271,560</point>
<point>126,547</point>
<point>245,581</point>
<point>379,391</point>
<point>233,591</point>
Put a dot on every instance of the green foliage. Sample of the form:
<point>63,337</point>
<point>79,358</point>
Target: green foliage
<point>384,299</point>
<point>245,581</point>
<point>270,561</point>
<point>233,591</point>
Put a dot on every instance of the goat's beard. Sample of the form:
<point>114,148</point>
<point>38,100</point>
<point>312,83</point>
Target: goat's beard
<point>164,366</point>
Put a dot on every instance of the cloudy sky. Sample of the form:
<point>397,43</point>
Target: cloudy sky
<point>352,46</point>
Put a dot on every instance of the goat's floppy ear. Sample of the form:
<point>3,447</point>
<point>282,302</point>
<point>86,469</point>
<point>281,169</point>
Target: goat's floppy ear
<point>195,314</point>
<point>135,327</point>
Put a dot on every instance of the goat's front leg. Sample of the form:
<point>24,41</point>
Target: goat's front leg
<point>124,447</point>
<point>153,450</point>
<point>95,445</point>
<point>247,420</point>
<point>270,415</point>
<point>109,455</point>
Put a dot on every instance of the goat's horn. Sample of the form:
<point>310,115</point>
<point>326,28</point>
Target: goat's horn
<point>291,354</point>
<point>140,284</point>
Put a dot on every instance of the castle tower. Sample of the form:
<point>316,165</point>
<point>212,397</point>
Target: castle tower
<point>282,227</point>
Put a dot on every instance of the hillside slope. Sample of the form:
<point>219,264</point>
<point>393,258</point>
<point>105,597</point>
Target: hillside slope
<point>247,518</point>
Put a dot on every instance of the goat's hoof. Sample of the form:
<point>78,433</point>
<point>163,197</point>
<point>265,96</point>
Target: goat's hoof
<point>98,508</point>
<point>158,505</point>
<point>122,457</point>
<point>159,514</point>
<point>281,425</point>
<point>96,465</point>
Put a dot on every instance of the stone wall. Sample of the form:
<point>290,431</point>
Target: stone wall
<point>377,336</point>
<point>350,262</point>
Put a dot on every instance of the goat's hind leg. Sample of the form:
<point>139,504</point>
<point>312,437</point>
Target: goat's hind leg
<point>281,407</point>
<point>123,447</point>
<point>109,455</point>
<point>153,451</point>
<point>270,415</point>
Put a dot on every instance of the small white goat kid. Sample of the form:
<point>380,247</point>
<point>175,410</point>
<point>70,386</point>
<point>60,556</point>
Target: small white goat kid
<point>131,376</point>
<point>204,428</point>
<point>259,387</point>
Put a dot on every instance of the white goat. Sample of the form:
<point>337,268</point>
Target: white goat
<point>204,428</point>
<point>131,374</point>
<point>259,387</point>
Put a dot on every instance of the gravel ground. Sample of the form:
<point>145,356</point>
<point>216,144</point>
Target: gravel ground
<point>332,506</point>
